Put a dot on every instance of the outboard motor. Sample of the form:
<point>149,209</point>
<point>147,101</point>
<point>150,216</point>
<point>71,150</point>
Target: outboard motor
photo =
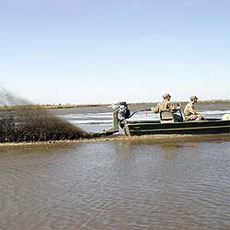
<point>123,113</point>
<point>120,113</point>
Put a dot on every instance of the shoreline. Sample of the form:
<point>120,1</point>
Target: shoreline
<point>157,139</point>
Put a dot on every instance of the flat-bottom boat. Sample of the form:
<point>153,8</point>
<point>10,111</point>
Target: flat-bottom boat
<point>169,125</point>
<point>210,126</point>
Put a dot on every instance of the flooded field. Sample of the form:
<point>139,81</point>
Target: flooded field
<point>157,183</point>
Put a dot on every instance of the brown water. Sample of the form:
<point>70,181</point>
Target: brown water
<point>133,184</point>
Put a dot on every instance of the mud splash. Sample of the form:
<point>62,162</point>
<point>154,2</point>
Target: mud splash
<point>20,121</point>
<point>144,139</point>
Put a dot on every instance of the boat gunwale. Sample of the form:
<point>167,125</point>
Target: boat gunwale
<point>154,122</point>
<point>186,127</point>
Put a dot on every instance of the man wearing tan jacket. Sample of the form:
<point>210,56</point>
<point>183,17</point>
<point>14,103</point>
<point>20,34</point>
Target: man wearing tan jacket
<point>190,112</point>
<point>165,105</point>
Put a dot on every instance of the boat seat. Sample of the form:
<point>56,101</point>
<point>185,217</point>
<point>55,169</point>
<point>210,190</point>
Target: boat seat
<point>167,117</point>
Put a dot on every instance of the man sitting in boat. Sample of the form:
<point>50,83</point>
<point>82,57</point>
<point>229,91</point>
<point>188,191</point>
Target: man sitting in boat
<point>190,112</point>
<point>167,106</point>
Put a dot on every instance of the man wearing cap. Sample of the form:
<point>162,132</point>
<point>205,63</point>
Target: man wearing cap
<point>165,105</point>
<point>190,112</point>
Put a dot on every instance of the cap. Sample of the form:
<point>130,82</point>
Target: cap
<point>123,103</point>
<point>166,95</point>
<point>192,98</point>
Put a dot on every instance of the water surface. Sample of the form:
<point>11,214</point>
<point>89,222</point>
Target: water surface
<point>139,184</point>
<point>160,183</point>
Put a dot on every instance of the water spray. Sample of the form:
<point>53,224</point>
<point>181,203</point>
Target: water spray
<point>21,121</point>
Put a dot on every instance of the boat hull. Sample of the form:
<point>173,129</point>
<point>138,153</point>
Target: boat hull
<point>189,127</point>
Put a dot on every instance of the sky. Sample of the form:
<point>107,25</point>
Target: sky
<point>105,51</point>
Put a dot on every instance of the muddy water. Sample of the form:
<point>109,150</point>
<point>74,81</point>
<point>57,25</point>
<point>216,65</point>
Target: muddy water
<point>132,184</point>
<point>159,183</point>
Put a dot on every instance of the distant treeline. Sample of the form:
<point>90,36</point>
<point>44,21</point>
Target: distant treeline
<point>49,106</point>
<point>67,106</point>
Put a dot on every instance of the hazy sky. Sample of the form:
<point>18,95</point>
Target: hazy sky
<point>92,51</point>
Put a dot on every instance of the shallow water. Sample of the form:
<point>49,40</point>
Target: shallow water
<point>136,184</point>
<point>158,183</point>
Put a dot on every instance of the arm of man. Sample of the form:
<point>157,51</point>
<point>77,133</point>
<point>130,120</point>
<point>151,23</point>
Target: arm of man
<point>171,107</point>
<point>188,110</point>
<point>192,110</point>
<point>156,109</point>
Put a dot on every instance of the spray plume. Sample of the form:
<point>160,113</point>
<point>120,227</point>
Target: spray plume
<point>21,121</point>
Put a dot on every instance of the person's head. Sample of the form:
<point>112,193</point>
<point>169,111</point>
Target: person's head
<point>167,96</point>
<point>194,99</point>
<point>123,103</point>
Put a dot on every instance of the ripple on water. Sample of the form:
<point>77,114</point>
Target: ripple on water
<point>116,185</point>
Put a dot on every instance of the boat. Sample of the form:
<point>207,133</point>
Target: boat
<point>210,126</point>
<point>168,125</point>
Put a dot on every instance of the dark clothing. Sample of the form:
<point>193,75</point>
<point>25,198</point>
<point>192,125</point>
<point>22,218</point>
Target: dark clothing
<point>123,114</point>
